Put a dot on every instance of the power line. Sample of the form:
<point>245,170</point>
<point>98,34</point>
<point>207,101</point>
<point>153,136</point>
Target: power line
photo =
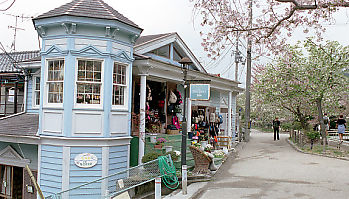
<point>8,6</point>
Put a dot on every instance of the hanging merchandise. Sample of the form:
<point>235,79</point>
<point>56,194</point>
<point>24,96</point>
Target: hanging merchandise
<point>175,122</point>
<point>149,96</point>
<point>177,109</point>
<point>179,97</point>
<point>173,98</point>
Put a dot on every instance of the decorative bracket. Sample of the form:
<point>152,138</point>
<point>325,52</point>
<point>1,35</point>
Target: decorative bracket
<point>71,29</point>
<point>134,38</point>
<point>41,30</point>
<point>116,30</point>
<point>107,31</point>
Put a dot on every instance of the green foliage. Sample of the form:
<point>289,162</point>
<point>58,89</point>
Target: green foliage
<point>296,125</point>
<point>313,135</point>
<point>150,156</point>
<point>286,126</point>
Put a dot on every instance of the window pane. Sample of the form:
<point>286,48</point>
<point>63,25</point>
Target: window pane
<point>118,95</point>
<point>55,92</point>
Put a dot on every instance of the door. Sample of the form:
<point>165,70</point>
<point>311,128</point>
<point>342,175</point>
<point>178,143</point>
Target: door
<point>11,182</point>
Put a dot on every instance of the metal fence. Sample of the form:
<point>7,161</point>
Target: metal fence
<point>114,184</point>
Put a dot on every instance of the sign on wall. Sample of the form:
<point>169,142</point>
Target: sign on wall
<point>200,91</point>
<point>85,160</point>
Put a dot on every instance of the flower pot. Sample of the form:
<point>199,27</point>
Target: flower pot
<point>168,148</point>
<point>158,146</point>
<point>153,138</point>
<point>203,143</point>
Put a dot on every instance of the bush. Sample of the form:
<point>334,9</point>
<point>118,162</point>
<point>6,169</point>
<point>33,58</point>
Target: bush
<point>313,135</point>
<point>286,126</point>
<point>150,156</point>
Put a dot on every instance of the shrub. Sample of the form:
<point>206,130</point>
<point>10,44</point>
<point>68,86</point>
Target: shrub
<point>150,156</point>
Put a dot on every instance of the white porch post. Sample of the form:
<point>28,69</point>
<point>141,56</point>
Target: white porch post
<point>188,115</point>
<point>229,114</point>
<point>143,93</point>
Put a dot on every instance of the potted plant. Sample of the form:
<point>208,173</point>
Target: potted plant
<point>159,143</point>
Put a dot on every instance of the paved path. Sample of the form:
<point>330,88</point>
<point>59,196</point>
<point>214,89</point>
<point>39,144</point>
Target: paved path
<point>273,169</point>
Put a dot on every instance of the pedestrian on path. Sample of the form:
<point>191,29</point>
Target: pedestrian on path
<point>276,127</point>
<point>341,127</point>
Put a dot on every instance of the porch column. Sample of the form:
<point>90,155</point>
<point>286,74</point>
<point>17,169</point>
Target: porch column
<point>188,115</point>
<point>229,113</point>
<point>143,93</point>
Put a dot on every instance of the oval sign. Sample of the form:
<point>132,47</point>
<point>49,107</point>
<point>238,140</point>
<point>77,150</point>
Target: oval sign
<point>85,160</point>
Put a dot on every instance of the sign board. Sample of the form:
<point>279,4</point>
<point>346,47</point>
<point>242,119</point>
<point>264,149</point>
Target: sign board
<point>85,160</point>
<point>200,92</point>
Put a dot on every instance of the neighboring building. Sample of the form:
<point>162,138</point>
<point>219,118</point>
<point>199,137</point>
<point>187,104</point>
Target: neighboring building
<point>76,99</point>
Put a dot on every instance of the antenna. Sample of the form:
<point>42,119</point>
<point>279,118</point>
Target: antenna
<point>15,28</point>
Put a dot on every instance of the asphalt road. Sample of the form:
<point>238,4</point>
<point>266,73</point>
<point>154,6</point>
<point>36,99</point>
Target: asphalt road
<point>269,169</point>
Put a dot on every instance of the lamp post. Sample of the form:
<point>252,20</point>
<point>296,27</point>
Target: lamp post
<point>185,62</point>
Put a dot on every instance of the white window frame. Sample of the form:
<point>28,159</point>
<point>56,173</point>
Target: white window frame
<point>127,87</point>
<point>34,105</point>
<point>95,106</point>
<point>45,99</point>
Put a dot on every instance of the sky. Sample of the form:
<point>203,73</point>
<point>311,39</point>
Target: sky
<point>154,16</point>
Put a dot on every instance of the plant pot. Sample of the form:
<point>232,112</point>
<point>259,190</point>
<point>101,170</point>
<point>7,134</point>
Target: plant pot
<point>152,138</point>
<point>158,146</point>
<point>203,143</point>
<point>168,148</point>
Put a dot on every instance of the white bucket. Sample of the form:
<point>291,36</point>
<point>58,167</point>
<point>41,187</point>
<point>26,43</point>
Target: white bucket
<point>153,138</point>
<point>168,148</point>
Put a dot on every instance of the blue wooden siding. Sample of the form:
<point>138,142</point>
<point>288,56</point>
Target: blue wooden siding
<point>51,169</point>
<point>117,162</point>
<point>79,175</point>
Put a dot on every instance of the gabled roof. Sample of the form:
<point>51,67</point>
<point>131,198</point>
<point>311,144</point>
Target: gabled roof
<point>149,38</point>
<point>88,8</point>
<point>148,43</point>
<point>21,125</point>
<point>9,61</point>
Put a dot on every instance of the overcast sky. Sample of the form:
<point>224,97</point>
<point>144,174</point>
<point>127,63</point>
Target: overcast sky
<point>154,16</point>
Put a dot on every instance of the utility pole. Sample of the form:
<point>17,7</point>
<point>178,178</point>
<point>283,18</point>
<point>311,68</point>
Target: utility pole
<point>248,76</point>
<point>237,56</point>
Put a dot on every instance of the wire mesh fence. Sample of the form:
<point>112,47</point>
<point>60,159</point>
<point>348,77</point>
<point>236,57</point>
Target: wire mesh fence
<point>112,185</point>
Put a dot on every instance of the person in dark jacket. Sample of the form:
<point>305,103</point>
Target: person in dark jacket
<point>276,127</point>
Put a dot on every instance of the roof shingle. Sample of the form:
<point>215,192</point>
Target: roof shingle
<point>88,8</point>
<point>21,125</point>
<point>9,62</point>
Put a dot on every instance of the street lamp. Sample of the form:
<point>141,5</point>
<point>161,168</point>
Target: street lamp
<point>185,62</point>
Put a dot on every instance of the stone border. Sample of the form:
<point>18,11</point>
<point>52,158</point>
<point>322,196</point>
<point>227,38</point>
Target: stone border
<point>323,155</point>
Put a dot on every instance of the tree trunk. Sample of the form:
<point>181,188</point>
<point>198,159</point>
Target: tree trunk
<point>321,121</point>
<point>302,119</point>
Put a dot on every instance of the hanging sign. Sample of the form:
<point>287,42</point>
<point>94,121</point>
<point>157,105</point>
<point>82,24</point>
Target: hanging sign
<point>200,92</point>
<point>85,160</point>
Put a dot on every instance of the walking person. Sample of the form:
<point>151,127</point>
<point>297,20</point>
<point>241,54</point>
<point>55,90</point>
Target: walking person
<point>341,124</point>
<point>327,126</point>
<point>276,127</point>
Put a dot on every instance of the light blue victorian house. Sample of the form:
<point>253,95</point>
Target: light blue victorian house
<point>74,122</point>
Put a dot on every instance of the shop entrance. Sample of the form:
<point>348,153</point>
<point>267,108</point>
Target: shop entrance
<point>11,182</point>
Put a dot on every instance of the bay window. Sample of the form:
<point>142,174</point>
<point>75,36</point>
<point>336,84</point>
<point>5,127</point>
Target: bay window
<point>55,78</point>
<point>119,84</point>
<point>89,82</point>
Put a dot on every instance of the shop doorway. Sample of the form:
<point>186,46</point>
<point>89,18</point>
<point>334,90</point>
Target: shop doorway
<point>11,182</point>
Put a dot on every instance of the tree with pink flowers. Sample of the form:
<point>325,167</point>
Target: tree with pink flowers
<point>306,78</point>
<point>273,21</point>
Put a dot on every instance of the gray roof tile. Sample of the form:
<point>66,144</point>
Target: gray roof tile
<point>10,62</point>
<point>21,125</point>
<point>88,8</point>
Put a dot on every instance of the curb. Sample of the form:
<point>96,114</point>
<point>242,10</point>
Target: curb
<point>294,146</point>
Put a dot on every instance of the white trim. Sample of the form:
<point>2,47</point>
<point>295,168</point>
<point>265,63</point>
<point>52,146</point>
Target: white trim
<point>45,94</point>
<point>65,171</point>
<point>89,106</point>
<point>126,90</point>
<point>105,169</point>
<point>34,105</point>
<point>10,157</point>
<point>39,167</point>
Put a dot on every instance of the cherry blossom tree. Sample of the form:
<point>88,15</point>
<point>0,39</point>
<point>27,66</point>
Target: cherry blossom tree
<point>273,21</point>
<point>307,78</point>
